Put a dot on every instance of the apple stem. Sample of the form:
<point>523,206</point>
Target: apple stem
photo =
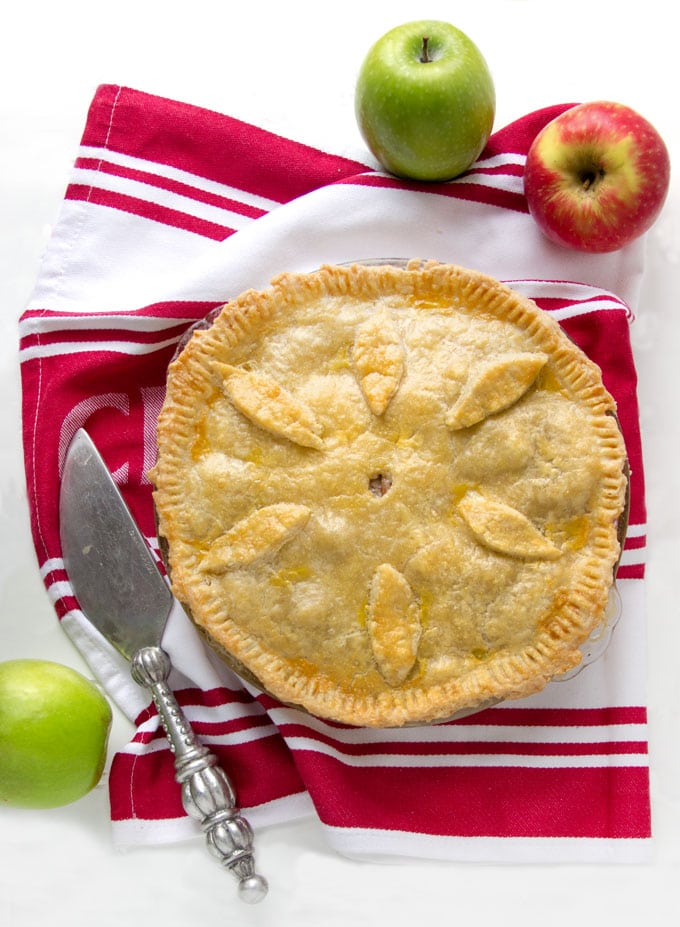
<point>424,56</point>
<point>588,178</point>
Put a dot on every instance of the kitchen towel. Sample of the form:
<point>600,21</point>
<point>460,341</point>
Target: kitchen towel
<point>170,210</point>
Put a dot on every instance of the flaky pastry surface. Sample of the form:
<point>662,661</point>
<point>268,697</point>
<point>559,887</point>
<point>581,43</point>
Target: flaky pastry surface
<point>389,495</point>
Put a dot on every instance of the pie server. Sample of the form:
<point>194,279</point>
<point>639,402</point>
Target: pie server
<point>123,594</point>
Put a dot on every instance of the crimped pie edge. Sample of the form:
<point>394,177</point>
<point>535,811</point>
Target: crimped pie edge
<point>555,648</point>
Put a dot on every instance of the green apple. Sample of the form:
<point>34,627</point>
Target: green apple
<point>425,101</point>
<point>54,731</point>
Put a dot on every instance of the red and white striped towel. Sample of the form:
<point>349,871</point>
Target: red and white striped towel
<point>171,210</point>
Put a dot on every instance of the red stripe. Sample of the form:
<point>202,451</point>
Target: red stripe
<point>499,170</point>
<point>608,345</point>
<point>498,802</point>
<point>86,335</point>
<point>564,717</point>
<point>220,695</point>
<point>174,186</point>
<point>217,728</point>
<point>57,575</point>
<point>590,304</point>
<point>209,144</point>
<point>144,786</point>
<point>631,571</point>
<point>636,542</point>
<point>518,136</point>
<point>65,605</point>
<point>523,717</point>
<point>209,698</point>
<point>147,210</point>
<point>180,309</point>
<point>490,196</point>
<point>475,192</point>
<point>497,717</point>
<point>465,748</point>
<point>483,802</point>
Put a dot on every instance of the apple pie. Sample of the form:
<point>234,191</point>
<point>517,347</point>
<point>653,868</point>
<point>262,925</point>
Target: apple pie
<point>389,494</point>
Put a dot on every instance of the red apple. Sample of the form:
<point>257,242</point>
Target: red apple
<point>596,177</point>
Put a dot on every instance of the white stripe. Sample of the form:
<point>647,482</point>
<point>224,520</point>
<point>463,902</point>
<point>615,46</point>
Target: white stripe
<point>54,349</point>
<point>500,160</point>
<point>81,347</point>
<point>249,735</point>
<point>470,760</point>
<point>462,733</point>
<point>599,305</point>
<point>49,566</point>
<point>173,173</point>
<point>160,197</point>
<point>373,844</point>
<point>636,531</point>
<point>557,289</point>
<point>389,760</point>
<point>637,555</point>
<point>496,733</point>
<point>432,734</point>
<point>59,590</point>
<point>146,832</point>
<point>44,324</point>
<point>57,563</point>
<point>211,714</point>
<point>508,182</point>
<point>587,298</point>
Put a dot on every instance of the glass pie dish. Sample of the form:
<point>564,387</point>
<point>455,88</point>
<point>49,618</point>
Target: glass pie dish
<point>280,401</point>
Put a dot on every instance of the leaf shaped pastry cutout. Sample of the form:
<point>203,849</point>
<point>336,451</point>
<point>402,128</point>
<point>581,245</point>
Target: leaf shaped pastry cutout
<point>258,535</point>
<point>393,624</point>
<point>378,360</point>
<point>267,404</point>
<point>505,530</point>
<point>496,385</point>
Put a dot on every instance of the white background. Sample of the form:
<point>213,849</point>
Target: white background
<point>290,67</point>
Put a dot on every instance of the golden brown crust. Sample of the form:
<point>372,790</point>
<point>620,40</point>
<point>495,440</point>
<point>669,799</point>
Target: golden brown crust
<point>390,494</point>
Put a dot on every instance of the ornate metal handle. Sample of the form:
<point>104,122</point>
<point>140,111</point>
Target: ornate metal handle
<point>207,793</point>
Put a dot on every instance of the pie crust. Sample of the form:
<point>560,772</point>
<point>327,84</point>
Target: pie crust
<point>388,495</point>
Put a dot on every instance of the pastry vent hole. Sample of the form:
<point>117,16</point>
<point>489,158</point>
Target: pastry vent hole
<point>380,484</point>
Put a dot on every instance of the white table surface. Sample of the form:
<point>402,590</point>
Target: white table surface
<point>290,67</point>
